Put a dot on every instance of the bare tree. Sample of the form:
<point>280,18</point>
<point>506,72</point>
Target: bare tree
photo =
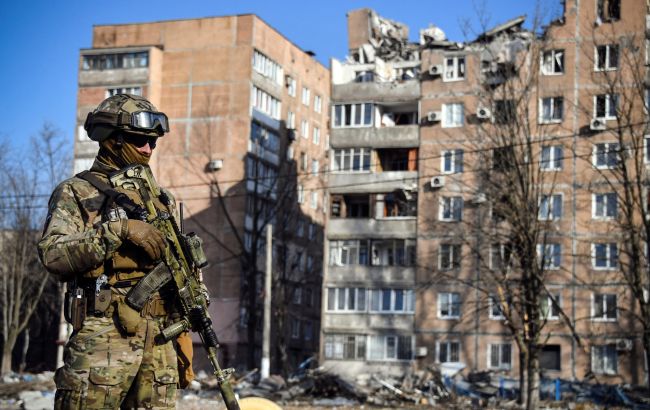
<point>25,180</point>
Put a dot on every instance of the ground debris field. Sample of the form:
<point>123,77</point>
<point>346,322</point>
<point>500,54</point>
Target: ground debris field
<point>318,389</point>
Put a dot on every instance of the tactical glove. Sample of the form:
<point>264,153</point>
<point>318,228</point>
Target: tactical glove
<point>145,236</point>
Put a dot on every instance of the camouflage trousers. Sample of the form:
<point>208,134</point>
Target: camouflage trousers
<point>103,369</point>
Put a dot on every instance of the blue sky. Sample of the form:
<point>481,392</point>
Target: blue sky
<point>40,40</point>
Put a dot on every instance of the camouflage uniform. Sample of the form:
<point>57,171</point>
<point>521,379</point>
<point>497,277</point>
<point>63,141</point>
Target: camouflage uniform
<point>115,360</point>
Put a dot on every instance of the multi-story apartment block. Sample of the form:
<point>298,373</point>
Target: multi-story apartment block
<point>249,125</point>
<point>368,294</point>
<point>422,136</point>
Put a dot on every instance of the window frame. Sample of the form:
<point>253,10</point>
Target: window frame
<point>457,109</point>
<point>555,102</point>
<point>492,303</point>
<point>608,255</point>
<point>550,214</point>
<point>452,206</point>
<point>606,204</point>
<point>456,161</point>
<point>552,59</point>
<point>364,106</point>
<point>604,306</point>
<point>608,152</point>
<point>605,350</point>
<point>458,71</point>
<point>503,364</point>
<point>606,65</point>
<point>555,256</point>
<point>555,160</point>
<point>454,251</point>
<point>449,350</point>
<point>453,308</point>
<point>608,106</point>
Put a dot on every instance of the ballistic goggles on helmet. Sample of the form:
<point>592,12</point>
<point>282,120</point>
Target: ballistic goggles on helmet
<point>139,120</point>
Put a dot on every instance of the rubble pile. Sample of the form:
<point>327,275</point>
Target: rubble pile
<point>27,391</point>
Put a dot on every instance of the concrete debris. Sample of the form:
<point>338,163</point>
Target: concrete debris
<point>432,34</point>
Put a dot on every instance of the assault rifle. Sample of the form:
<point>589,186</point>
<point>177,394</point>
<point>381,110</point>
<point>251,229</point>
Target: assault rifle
<point>180,267</point>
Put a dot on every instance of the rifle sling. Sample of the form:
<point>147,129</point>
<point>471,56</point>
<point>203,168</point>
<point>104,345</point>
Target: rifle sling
<point>113,195</point>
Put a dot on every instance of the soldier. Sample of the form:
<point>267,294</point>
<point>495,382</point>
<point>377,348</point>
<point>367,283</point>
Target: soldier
<point>113,358</point>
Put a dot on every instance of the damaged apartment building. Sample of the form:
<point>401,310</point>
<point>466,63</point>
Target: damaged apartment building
<point>404,257</point>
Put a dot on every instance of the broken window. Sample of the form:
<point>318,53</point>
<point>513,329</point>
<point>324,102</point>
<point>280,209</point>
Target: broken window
<point>551,109</point>
<point>604,307</point>
<point>550,357</point>
<point>609,10</point>
<point>549,309</point>
<point>352,115</point>
<point>504,112</point>
<point>393,159</point>
<point>452,161</point>
<point>449,256</point>
<point>606,57</point>
<point>553,62</point>
<point>351,252</point>
<point>448,352</point>
<point>605,106</point>
<point>503,159</point>
<point>454,68</point>
<point>351,159</point>
<point>500,356</point>
<point>495,311</point>
<point>398,204</point>
<point>606,155</point>
<point>364,76</point>
<point>448,305</point>
<point>604,359</point>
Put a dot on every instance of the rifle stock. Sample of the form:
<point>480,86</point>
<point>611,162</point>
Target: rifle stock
<point>184,258</point>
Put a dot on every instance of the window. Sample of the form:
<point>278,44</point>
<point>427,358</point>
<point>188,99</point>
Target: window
<point>265,103</point>
<point>305,96</point>
<point>346,299</point>
<point>263,140</point>
<point>304,159</point>
<point>392,301</point>
<point>393,252</point>
<point>304,128</point>
<point>352,115</point>
<point>300,227</point>
<point>364,76</point>
<point>452,161</point>
<point>605,106</point>
<point>115,61</point>
<point>309,297</point>
<point>604,359</point>
<point>314,166</point>
<point>318,102</point>
<point>604,255</point>
<point>606,57</point>
<point>351,159</point>
<point>448,305</point>
<point>646,149</point>
<point>549,309</point>
<point>454,68</point>
<point>295,328</point>
<point>604,206</point>
<point>500,356</point>
<point>495,311</point>
<point>301,194</point>
<point>453,115</point>
<point>606,155</point>
<point>553,62</point>
<point>451,208</point>
<point>390,348</point>
<point>311,231</point>
<point>291,86</point>
<point>551,158</point>
<point>291,120</point>
<point>609,10</point>
<point>260,175</point>
<point>316,136</point>
<point>550,207</point>
<point>550,255</point>
<point>449,257</point>
<point>123,90</point>
<point>447,352</point>
<point>351,252</point>
<point>297,296</point>
<point>345,347</point>
<point>551,109</point>
<point>267,67</point>
<point>504,112</point>
<point>308,330</point>
<point>550,357</point>
<point>500,256</point>
<point>314,200</point>
<point>604,307</point>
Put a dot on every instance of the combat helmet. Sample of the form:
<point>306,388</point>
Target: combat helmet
<point>126,112</point>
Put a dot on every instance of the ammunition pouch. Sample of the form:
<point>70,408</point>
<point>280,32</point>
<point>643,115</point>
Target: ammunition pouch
<point>128,319</point>
<point>75,306</point>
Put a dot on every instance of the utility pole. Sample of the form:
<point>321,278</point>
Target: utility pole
<point>266,333</point>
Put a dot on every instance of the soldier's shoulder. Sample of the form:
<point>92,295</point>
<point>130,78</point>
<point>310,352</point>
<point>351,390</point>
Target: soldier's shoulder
<point>77,187</point>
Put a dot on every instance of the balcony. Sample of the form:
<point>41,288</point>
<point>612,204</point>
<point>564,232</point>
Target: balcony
<point>362,320</point>
<point>403,136</point>
<point>378,92</point>
<point>367,182</point>
<point>359,228</point>
<point>117,66</point>
<point>389,275</point>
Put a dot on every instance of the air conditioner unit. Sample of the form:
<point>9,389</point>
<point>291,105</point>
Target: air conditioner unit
<point>483,113</point>
<point>597,124</point>
<point>437,182</point>
<point>624,344</point>
<point>434,116</point>
<point>421,351</point>
<point>214,165</point>
<point>435,70</point>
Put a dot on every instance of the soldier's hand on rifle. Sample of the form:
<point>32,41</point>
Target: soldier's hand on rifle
<point>147,237</point>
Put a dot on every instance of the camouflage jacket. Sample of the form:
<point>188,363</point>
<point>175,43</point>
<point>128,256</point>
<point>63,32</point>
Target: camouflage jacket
<point>79,240</point>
